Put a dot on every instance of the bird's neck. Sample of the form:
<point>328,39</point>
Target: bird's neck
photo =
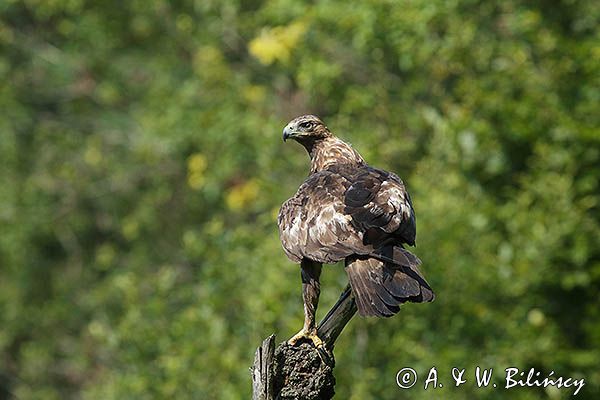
<point>331,151</point>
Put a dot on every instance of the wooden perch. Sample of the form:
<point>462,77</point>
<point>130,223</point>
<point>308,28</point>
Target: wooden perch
<point>262,374</point>
<point>302,371</point>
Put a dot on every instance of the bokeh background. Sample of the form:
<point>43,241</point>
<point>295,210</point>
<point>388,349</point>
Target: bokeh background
<point>142,169</point>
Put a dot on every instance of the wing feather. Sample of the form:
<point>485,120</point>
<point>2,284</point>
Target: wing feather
<point>346,210</point>
<point>378,199</point>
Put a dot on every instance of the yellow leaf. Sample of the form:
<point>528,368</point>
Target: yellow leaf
<point>276,44</point>
<point>196,166</point>
<point>242,195</point>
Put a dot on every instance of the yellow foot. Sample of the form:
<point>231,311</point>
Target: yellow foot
<point>305,334</point>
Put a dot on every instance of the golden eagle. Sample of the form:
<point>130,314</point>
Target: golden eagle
<point>348,210</point>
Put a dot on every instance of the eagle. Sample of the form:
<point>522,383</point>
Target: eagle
<point>348,210</point>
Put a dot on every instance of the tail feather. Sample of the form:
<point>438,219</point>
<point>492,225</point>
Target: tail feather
<point>366,299</point>
<point>382,282</point>
<point>368,282</point>
<point>402,285</point>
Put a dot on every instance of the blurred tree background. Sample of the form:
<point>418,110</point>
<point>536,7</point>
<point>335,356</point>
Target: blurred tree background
<point>142,169</point>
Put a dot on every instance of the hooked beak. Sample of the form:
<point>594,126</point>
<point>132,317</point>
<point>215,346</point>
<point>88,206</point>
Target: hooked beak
<point>287,133</point>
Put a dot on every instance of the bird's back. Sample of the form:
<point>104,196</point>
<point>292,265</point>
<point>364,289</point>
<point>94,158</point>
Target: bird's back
<point>346,210</point>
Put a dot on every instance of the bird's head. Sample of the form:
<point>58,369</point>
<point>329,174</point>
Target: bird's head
<point>306,129</point>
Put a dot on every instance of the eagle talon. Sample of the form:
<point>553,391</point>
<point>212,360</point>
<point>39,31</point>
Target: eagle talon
<point>310,335</point>
<point>324,354</point>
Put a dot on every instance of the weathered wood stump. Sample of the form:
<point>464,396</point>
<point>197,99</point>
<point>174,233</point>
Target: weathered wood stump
<point>301,372</point>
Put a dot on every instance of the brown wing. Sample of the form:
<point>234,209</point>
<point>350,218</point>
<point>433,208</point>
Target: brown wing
<point>343,211</point>
<point>381,208</point>
<point>313,223</point>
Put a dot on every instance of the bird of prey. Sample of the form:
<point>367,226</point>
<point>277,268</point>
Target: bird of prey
<point>348,210</point>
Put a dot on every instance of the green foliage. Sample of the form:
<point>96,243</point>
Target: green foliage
<point>143,168</point>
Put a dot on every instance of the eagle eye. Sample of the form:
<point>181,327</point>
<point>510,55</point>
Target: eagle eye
<point>306,125</point>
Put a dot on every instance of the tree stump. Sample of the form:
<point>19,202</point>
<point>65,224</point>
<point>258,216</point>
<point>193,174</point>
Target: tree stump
<point>301,372</point>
